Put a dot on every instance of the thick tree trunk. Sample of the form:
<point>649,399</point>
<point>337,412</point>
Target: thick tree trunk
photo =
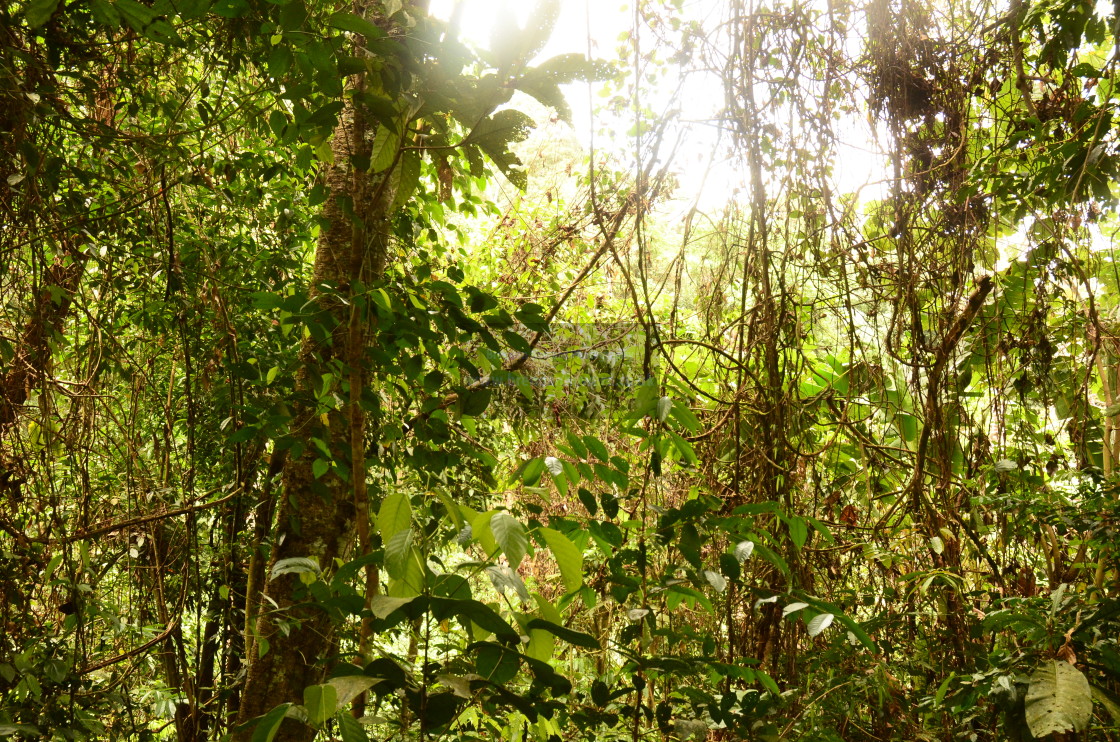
<point>317,518</point>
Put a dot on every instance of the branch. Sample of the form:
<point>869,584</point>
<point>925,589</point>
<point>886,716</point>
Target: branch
<point>133,652</point>
<point>121,525</point>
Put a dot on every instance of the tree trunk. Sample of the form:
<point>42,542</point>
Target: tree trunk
<point>317,517</point>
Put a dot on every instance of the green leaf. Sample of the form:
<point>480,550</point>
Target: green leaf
<point>793,608</point>
<point>394,515</point>
<point>1101,696</point>
<point>411,579</point>
<point>39,12</point>
<point>1059,699</point>
<point>321,701</point>
<point>798,531</point>
<point>538,28</point>
<point>355,24</point>
<point>398,552</point>
<point>577,638</point>
<point>716,580</point>
<point>555,468</point>
<point>486,618</point>
<point>25,730</point>
<point>568,558</point>
<point>565,68</point>
<point>350,728</point>
<point>505,579</point>
<point>819,623</point>
<point>511,45</point>
<point>295,565</point>
<point>384,150</point>
<point>595,446</point>
<point>578,447</point>
<point>480,529</point>
<point>743,550</point>
<point>768,683</point>
<point>546,92</point>
<point>408,177</point>
<point>474,402</point>
<point>349,687</point>
<point>939,696</point>
<point>495,133</point>
<point>383,605</point>
<point>511,537</point>
<point>138,15</point>
<point>850,624</point>
<point>230,8</point>
<point>269,723</point>
<point>496,663</point>
<point>664,406</point>
<point>907,426</point>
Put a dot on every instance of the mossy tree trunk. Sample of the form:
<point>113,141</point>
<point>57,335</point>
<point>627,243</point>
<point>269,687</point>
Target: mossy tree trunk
<point>318,516</point>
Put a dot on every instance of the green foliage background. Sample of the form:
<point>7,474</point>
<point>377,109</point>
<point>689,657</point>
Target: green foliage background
<point>337,403</point>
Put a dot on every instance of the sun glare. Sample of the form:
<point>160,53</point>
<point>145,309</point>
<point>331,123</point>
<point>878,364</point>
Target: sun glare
<point>694,97</point>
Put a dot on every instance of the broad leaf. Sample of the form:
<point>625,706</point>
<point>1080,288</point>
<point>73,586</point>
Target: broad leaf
<point>568,558</point>
<point>321,701</point>
<point>348,687</point>
<point>1059,699</point>
<point>398,551</point>
<point>819,623</point>
<point>295,565</point>
<point>716,580</point>
<point>383,605</point>
<point>269,723</point>
<point>350,728</point>
<point>505,579</point>
<point>394,516</point>
<point>511,537</point>
<point>578,638</point>
<point>384,151</point>
<point>355,24</point>
<point>793,608</point>
<point>494,134</point>
<point>39,12</point>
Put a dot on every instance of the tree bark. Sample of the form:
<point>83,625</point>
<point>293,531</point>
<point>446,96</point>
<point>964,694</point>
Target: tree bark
<point>317,518</point>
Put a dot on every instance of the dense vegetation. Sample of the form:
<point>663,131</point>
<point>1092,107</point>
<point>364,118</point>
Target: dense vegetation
<point>336,403</point>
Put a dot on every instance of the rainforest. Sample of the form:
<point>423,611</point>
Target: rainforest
<point>463,370</point>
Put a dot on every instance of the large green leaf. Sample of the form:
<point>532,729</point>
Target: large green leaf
<point>24,730</point>
<point>398,552</point>
<point>349,687</point>
<point>511,45</point>
<point>39,12</point>
<point>269,723</point>
<point>386,142</point>
<point>1059,699</point>
<point>1101,696</point>
<point>480,530</point>
<point>321,702</point>
<point>350,728</point>
<point>571,636</point>
<point>511,536</point>
<point>355,24</point>
<point>295,565</point>
<point>394,516</point>
<point>568,558</point>
<point>495,133</point>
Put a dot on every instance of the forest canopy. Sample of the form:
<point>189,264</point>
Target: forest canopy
<point>753,374</point>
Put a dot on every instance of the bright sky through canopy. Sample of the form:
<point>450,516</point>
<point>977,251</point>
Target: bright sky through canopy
<point>598,27</point>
